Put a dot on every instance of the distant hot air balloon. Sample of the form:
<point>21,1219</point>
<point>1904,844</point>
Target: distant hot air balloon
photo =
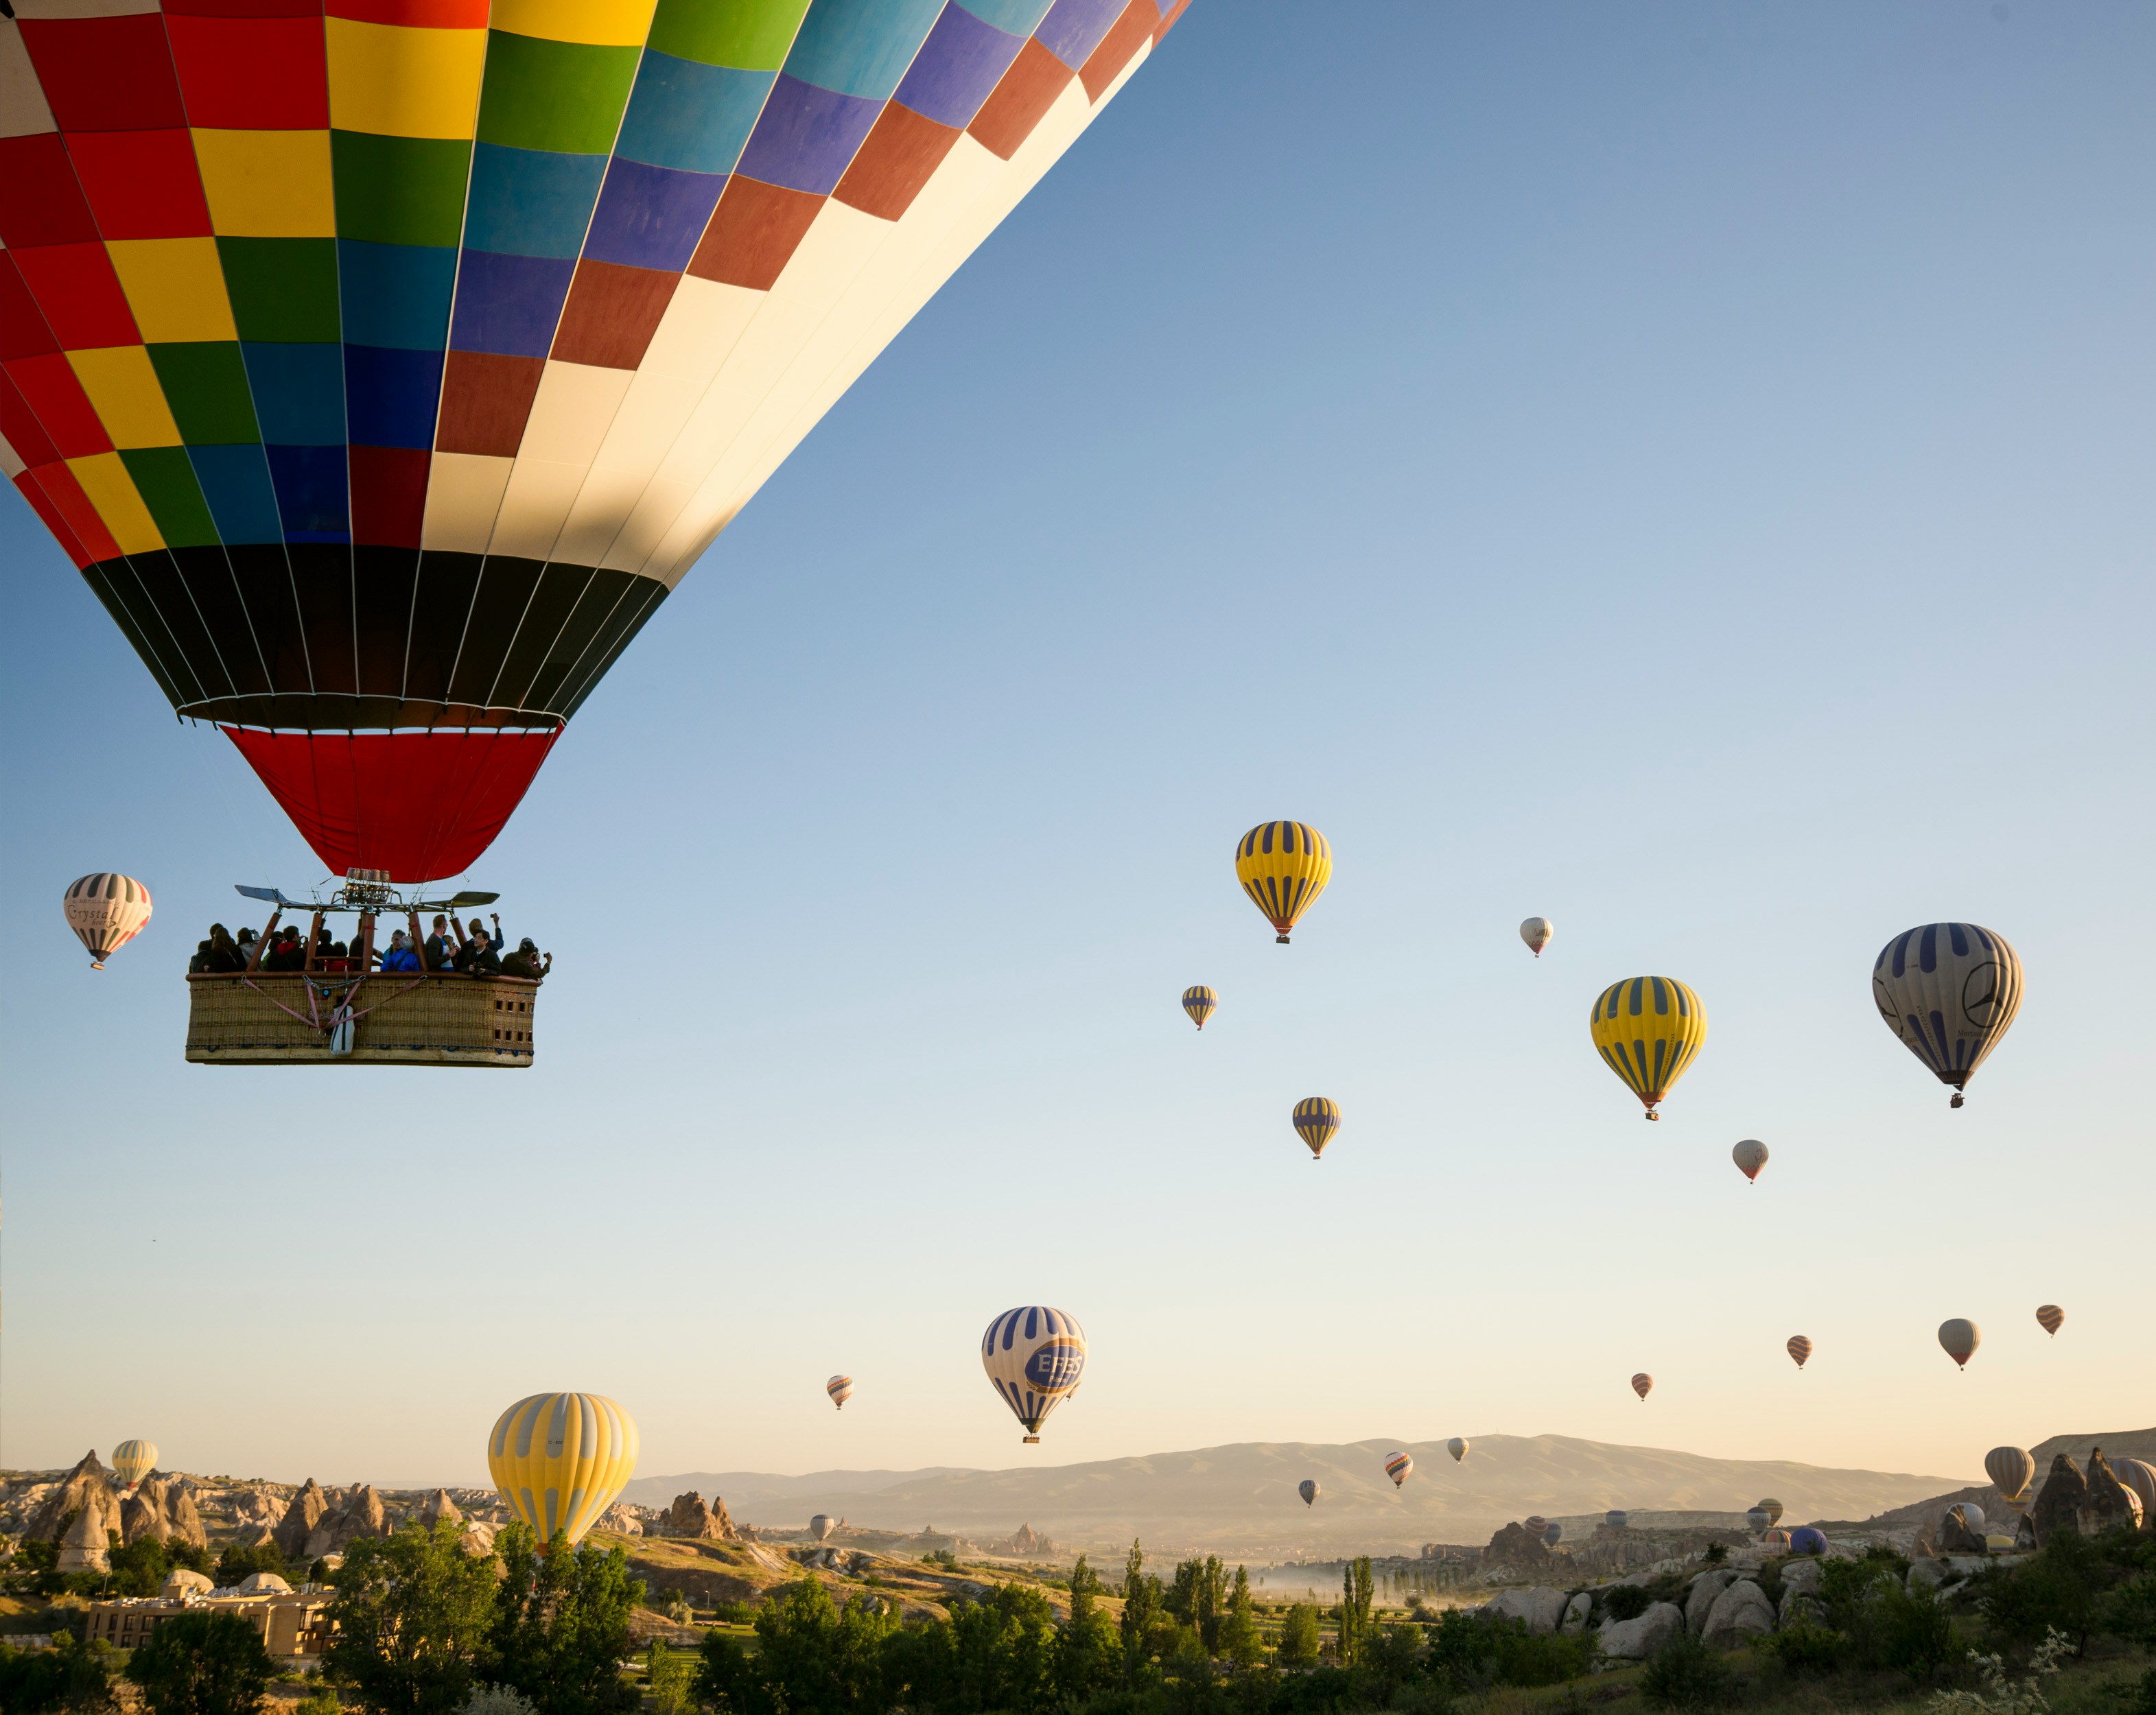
<point>560,1460</point>
<point>105,911</point>
<point>1800,1349</point>
<point>1308,1489</point>
<point>2011,1470</point>
<point>1949,990</point>
<point>1200,1002</point>
<point>1400,1468</point>
<point>1536,932</point>
<point>2139,1476</point>
<point>1750,1155</point>
<point>1534,1524</point>
<point>1316,1119</point>
<point>1806,1540</point>
<point>1283,866</point>
<point>1773,1508</point>
<point>432,358</point>
<point>1617,1518</point>
<point>1552,1534</point>
<point>1643,1384</point>
<point>2052,1318</point>
<point>1757,1521</point>
<point>1458,1448</point>
<point>822,1525</point>
<point>1776,1541</point>
<point>841,1388</point>
<point>1648,1030</point>
<point>1959,1338</point>
<point>132,1461</point>
<point>1034,1356</point>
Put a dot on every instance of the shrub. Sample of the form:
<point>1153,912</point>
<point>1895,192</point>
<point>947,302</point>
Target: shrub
<point>1716,1553</point>
<point>1804,1648</point>
<point>1553,1658</point>
<point>732,1613</point>
<point>2000,1694</point>
<point>1686,1674</point>
<point>1625,1601</point>
<point>2144,1700</point>
<point>201,1664</point>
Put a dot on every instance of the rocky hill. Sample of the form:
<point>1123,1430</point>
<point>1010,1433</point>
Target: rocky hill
<point>1243,1496</point>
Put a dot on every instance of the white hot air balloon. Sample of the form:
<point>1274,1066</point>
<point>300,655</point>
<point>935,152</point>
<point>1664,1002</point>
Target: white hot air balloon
<point>1536,932</point>
<point>841,1388</point>
<point>1750,1155</point>
<point>821,1526</point>
<point>105,911</point>
<point>1035,1357</point>
<point>1457,1447</point>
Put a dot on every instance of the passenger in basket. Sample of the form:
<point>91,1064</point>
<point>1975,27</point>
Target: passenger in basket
<point>524,961</point>
<point>289,954</point>
<point>399,957</point>
<point>479,958</point>
<point>339,961</point>
<point>245,946</point>
<point>226,955</point>
<point>440,954</point>
<point>200,963</point>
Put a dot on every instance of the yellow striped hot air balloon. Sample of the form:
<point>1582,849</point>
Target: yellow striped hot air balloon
<point>1200,1003</point>
<point>560,1460</point>
<point>1283,866</point>
<point>1316,1119</point>
<point>131,1461</point>
<point>1648,1030</point>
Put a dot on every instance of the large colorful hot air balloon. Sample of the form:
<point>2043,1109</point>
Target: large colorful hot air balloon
<point>1648,1030</point>
<point>1775,1542</point>
<point>2011,1470</point>
<point>1400,1468</point>
<point>841,1388</point>
<point>1035,1357</point>
<point>2051,1318</point>
<point>1536,932</point>
<point>1308,1489</point>
<point>1457,1446</point>
<point>1800,1349</point>
<point>2139,1475</point>
<point>560,1460</point>
<point>1959,1338</point>
<point>1949,990</point>
<point>1200,1002</point>
<point>1643,1384</point>
<point>105,911</point>
<point>1316,1119</point>
<point>1283,866</point>
<point>131,1461</point>
<point>384,366</point>
<point>1750,1155</point>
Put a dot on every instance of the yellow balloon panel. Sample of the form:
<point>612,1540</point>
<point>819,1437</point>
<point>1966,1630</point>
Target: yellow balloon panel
<point>1648,1030</point>
<point>559,1460</point>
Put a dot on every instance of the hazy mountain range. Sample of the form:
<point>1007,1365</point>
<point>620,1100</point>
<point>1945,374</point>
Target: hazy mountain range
<point>1244,1496</point>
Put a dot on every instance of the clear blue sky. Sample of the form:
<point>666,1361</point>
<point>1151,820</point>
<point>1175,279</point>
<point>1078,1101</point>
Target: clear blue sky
<point>1682,469</point>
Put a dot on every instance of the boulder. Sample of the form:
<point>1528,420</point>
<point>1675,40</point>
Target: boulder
<point>1800,1578</point>
<point>1798,1609</point>
<point>2110,1502</point>
<point>264,1584</point>
<point>1738,1612</point>
<point>1700,1598</point>
<point>84,1490</point>
<point>1960,1535</point>
<point>2060,1501</point>
<point>438,1508</point>
<point>1541,1607</point>
<point>478,1538</point>
<point>305,1511</point>
<point>1927,1575</point>
<point>1635,1639</point>
<point>84,1547</point>
<point>1575,1613</point>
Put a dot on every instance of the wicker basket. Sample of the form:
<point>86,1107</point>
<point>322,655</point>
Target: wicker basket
<point>285,1019</point>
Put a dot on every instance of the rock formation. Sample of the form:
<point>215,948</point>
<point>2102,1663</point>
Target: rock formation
<point>1700,1598</point>
<point>307,1510</point>
<point>360,1516</point>
<point>184,1581</point>
<point>1738,1612</point>
<point>1635,1639</point>
<point>84,1548</point>
<point>1575,1613</point>
<point>1517,1548</point>
<point>183,1519</point>
<point>622,1519</point>
<point>1028,1542</point>
<point>140,1516</point>
<point>2060,1501</point>
<point>2109,1504</point>
<point>689,1517</point>
<point>85,1489</point>
<point>1543,1609</point>
<point>438,1508</point>
<point>1959,1534</point>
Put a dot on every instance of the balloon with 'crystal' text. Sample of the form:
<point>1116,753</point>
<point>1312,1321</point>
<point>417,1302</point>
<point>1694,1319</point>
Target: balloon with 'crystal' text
<point>106,911</point>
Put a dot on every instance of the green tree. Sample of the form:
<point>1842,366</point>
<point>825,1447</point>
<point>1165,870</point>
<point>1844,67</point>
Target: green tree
<point>73,1676</point>
<point>1355,1599</point>
<point>139,1569</point>
<point>1142,1606</point>
<point>201,1664</point>
<point>1088,1653</point>
<point>811,1658</point>
<point>412,1615</point>
<point>671,1677</point>
<point>1240,1639</point>
<point>236,1564</point>
<point>1299,1642</point>
<point>560,1624</point>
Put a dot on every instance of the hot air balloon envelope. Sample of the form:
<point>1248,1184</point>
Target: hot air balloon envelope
<point>132,1461</point>
<point>1959,1338</point>
<point>105,910</point>
<point>1200,1002</point>
<point>1316,1121</point>
<point>1616,1518</point>
<point>1283,866</point>
<point>1400,1468</point>
<point>1307,1488</point>
<point>1773,1508</point>
<point>1552,1534</point>
<point>561,1459</point>
<point>2139,1477</point>
<point>1536,932</point>
<point>387,369</point>
<point>841,1388</point>
<point>2011,1470</point>
<point>1805,1540</point>
<point>1648,1030</point>
<point>1757,1520</point>
<point>1643,1384</point>
<point>1800,1349</point>
<point>821,1526</point>
<point>1457,1447</point>
<point>1033,1357</point>
<point>1776,1541</point>
<point>1750,1155</point>
<point>2050,1318</point>
<point>1949,990</point>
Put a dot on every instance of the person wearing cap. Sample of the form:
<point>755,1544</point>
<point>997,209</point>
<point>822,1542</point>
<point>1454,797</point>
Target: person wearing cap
<point>524,961</point>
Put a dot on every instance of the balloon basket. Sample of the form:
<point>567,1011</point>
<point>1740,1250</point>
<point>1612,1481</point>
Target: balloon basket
<point>1280,940</point>
<point>1029,1441</point>
<point>1956,1103</point>
<point>286,1018</point>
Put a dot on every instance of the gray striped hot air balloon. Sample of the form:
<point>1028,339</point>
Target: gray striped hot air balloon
<point>1035,1357</point>
<point>2011,1470</point>
<point>1949,990</point>
<point>2139,1476</point>
<point>1308,1489</point>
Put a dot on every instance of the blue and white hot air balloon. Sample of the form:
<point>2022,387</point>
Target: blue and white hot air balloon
<point>1035,1357</point>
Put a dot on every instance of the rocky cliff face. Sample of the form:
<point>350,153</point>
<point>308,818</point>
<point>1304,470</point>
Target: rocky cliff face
<point>85,1489</point>
<point>362,1515</point>
<point>305,1511</point>
<point>1517,1549</point>
<point>2060,1501</point>
<point>2107,1504</point>
<point>691,1516</point>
